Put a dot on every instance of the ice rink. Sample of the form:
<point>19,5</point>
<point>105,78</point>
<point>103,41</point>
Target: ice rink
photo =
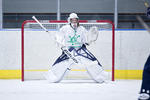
<point>69,90</point>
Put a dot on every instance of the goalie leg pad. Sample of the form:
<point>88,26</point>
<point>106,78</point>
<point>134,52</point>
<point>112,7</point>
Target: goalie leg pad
<point>97,73</point>
<point>57,72</point>
<point>51,77</point>
<point>102,77</point>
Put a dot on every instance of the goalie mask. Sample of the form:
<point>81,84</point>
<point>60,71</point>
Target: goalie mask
<point>73,20</point>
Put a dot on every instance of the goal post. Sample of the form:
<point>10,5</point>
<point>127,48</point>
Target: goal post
<point>38,51</point>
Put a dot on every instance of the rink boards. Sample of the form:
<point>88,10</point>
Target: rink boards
<point>132,49</point>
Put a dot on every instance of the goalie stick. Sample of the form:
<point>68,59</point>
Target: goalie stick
<point>66,51</point>
<point>63,48</point>
<point>39,23</point>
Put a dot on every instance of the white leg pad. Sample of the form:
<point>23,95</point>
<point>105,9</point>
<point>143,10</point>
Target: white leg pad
<point>51,77</point>
<point>97,73</point>
<point>57,72</point>
<point>102,77</point>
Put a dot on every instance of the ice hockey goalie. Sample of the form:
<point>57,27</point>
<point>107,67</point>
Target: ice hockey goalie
<point>74,38</point>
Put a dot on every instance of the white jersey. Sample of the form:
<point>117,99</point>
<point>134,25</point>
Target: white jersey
<point>73,38</point>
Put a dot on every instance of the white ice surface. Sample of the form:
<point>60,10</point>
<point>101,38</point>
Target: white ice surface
<point>69,90</point>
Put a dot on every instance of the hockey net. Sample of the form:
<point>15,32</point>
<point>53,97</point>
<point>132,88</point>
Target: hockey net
<point>39,51</point>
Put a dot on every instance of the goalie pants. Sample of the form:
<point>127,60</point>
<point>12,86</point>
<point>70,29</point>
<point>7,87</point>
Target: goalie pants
<point>145,88</point>
<point>63,64</point>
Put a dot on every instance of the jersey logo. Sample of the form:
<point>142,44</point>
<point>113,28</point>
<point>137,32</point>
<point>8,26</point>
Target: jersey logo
<point>73,40</point>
